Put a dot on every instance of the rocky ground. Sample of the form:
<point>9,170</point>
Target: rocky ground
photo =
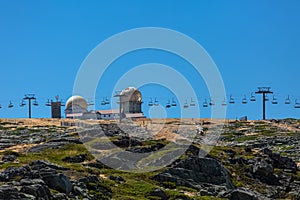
<point>63,159</point>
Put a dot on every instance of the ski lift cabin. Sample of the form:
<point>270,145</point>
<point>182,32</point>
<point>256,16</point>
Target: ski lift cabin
<point>231,100</point>
<point>173,102</point>
<point>274,101</point>
<point>150,103</point>
<point>244,101</point>
<point>168,105</point>
<point>10,105</point>
<point>288,100</point>
<point>252,98</point>
<point>297,104</point>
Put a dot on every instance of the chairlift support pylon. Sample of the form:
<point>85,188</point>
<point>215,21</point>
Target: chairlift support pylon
<point>29,98</point>
<point>264,91</point>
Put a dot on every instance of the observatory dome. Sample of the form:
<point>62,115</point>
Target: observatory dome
<point>78,101</point>
<point>131,94</point>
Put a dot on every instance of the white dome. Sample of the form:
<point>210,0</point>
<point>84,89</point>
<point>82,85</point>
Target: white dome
<point>76,100</point>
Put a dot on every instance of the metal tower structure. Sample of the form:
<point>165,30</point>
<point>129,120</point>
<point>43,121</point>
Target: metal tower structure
<point>264,91</point>
<point>30,97</point>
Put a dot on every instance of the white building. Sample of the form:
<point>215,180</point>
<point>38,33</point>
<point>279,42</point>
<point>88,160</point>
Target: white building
<point>108,114</point>
<point>130,102</point>
<point>77,107</point>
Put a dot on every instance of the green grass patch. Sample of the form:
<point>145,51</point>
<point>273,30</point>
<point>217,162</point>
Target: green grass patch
<point>246,138</point>
<point>10,164</point>
<point>4,128</point>
<point>175,194</point>
<point>170,185</point>
<point>137,185</point>
<point>187,189</point>
<point>206,198</point>
<point>57,156</point>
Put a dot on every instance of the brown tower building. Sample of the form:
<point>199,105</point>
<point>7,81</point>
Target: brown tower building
<point>56,109</point>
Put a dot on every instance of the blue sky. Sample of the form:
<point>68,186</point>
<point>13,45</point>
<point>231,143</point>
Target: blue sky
<point>253,43</point>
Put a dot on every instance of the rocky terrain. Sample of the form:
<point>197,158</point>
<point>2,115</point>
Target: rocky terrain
<point>149,159</point>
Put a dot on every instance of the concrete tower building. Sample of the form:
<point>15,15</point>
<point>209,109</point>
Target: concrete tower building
<point>131,100</point>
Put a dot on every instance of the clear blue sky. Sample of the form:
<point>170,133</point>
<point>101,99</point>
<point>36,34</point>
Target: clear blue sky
<point>253,43</point>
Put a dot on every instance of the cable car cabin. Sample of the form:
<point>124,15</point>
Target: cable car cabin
<point>186,105</point>
<point>297,104</point>
<point>211,102</point>
<point>252,98</point>
<point>103,102</point>
<point>91,103</point>
<point>35,103</point>
<point>10,105</point>
<point>231,100</point>
<point>174,102</point>
<point>192,102</point>
<point>168,104</point>
<point>244,101</point>
<point>106,101</point>
<point>274,101</point>
<point>150,103</point>
<point>0,106</point>
<point>224,103</point>
<point>287,100</point>
<point>48,103</point>
<point>156,102</point>
<point>205,104</point>
<point>22,104</point>
<point>266,98</point>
